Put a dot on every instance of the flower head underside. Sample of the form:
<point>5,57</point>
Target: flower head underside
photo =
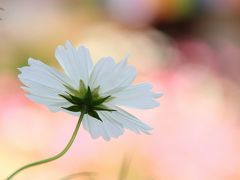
<point>86,88</point>
<point>85,100</point>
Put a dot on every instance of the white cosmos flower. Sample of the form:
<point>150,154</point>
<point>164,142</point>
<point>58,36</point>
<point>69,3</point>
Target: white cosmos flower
<point>95,90</point>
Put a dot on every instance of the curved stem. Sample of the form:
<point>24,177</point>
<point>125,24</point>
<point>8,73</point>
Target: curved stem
<point>54,157</point>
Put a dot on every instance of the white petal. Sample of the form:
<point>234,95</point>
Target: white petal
<point>112,77</point>
<point>95,127</point>
<point>35,76</point>
<point>129,121</point>
<point>54,105</point>
<point>157,95</point>
<point>44,84</point>
<point>47,100</point>
<point>43,91</point>
<point>76,62</point>
<point>113,128</point>
<point>136,96</point>
<point>101,70</point>
<point>51,103</point>
<point>106,129</point>
<point>61,77</point>
<point>43,74</point>
<point>120,77</point>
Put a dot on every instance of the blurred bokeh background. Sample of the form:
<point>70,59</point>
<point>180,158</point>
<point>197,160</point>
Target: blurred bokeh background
<point>188,49</point>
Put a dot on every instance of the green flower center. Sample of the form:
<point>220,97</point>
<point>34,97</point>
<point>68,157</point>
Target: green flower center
<point>85,100</point>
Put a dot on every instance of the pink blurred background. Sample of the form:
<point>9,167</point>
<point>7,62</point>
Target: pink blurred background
<point>188,49</point>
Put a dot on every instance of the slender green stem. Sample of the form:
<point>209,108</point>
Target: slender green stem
<point>54,157</point>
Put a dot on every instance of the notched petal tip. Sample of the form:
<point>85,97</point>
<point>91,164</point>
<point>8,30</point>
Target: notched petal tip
<point>147,133</point>
<point>82,47</point>
<point>125,59</point>
<point>24,88</point>
<point>19,69</point>
<point>155,104</point>
<point>106,139</point>
<point>31,60</point>
<point>20,76</point>
<point>146,128</point>
<point>69,45</point>
<point>68,42</point>
<point>157,95</point>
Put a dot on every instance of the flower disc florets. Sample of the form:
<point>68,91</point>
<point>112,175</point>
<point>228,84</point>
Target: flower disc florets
<point>85,100</point>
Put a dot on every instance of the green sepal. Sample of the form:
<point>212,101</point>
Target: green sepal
<point>88,96</point>
<point>82,89</point>
<point>77,92</point>
<point>102,108</point>
<point>73,108</point>
<point>85,100</point>
<point>94,114</point>
<point>99,101</point>
<point>68,98</point>
<point>95,92</point>
<point>77,100</point>
<point>109,99</point>
<point>71,90</point>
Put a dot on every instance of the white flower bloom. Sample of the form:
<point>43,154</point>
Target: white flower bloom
<point>97,91</point>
